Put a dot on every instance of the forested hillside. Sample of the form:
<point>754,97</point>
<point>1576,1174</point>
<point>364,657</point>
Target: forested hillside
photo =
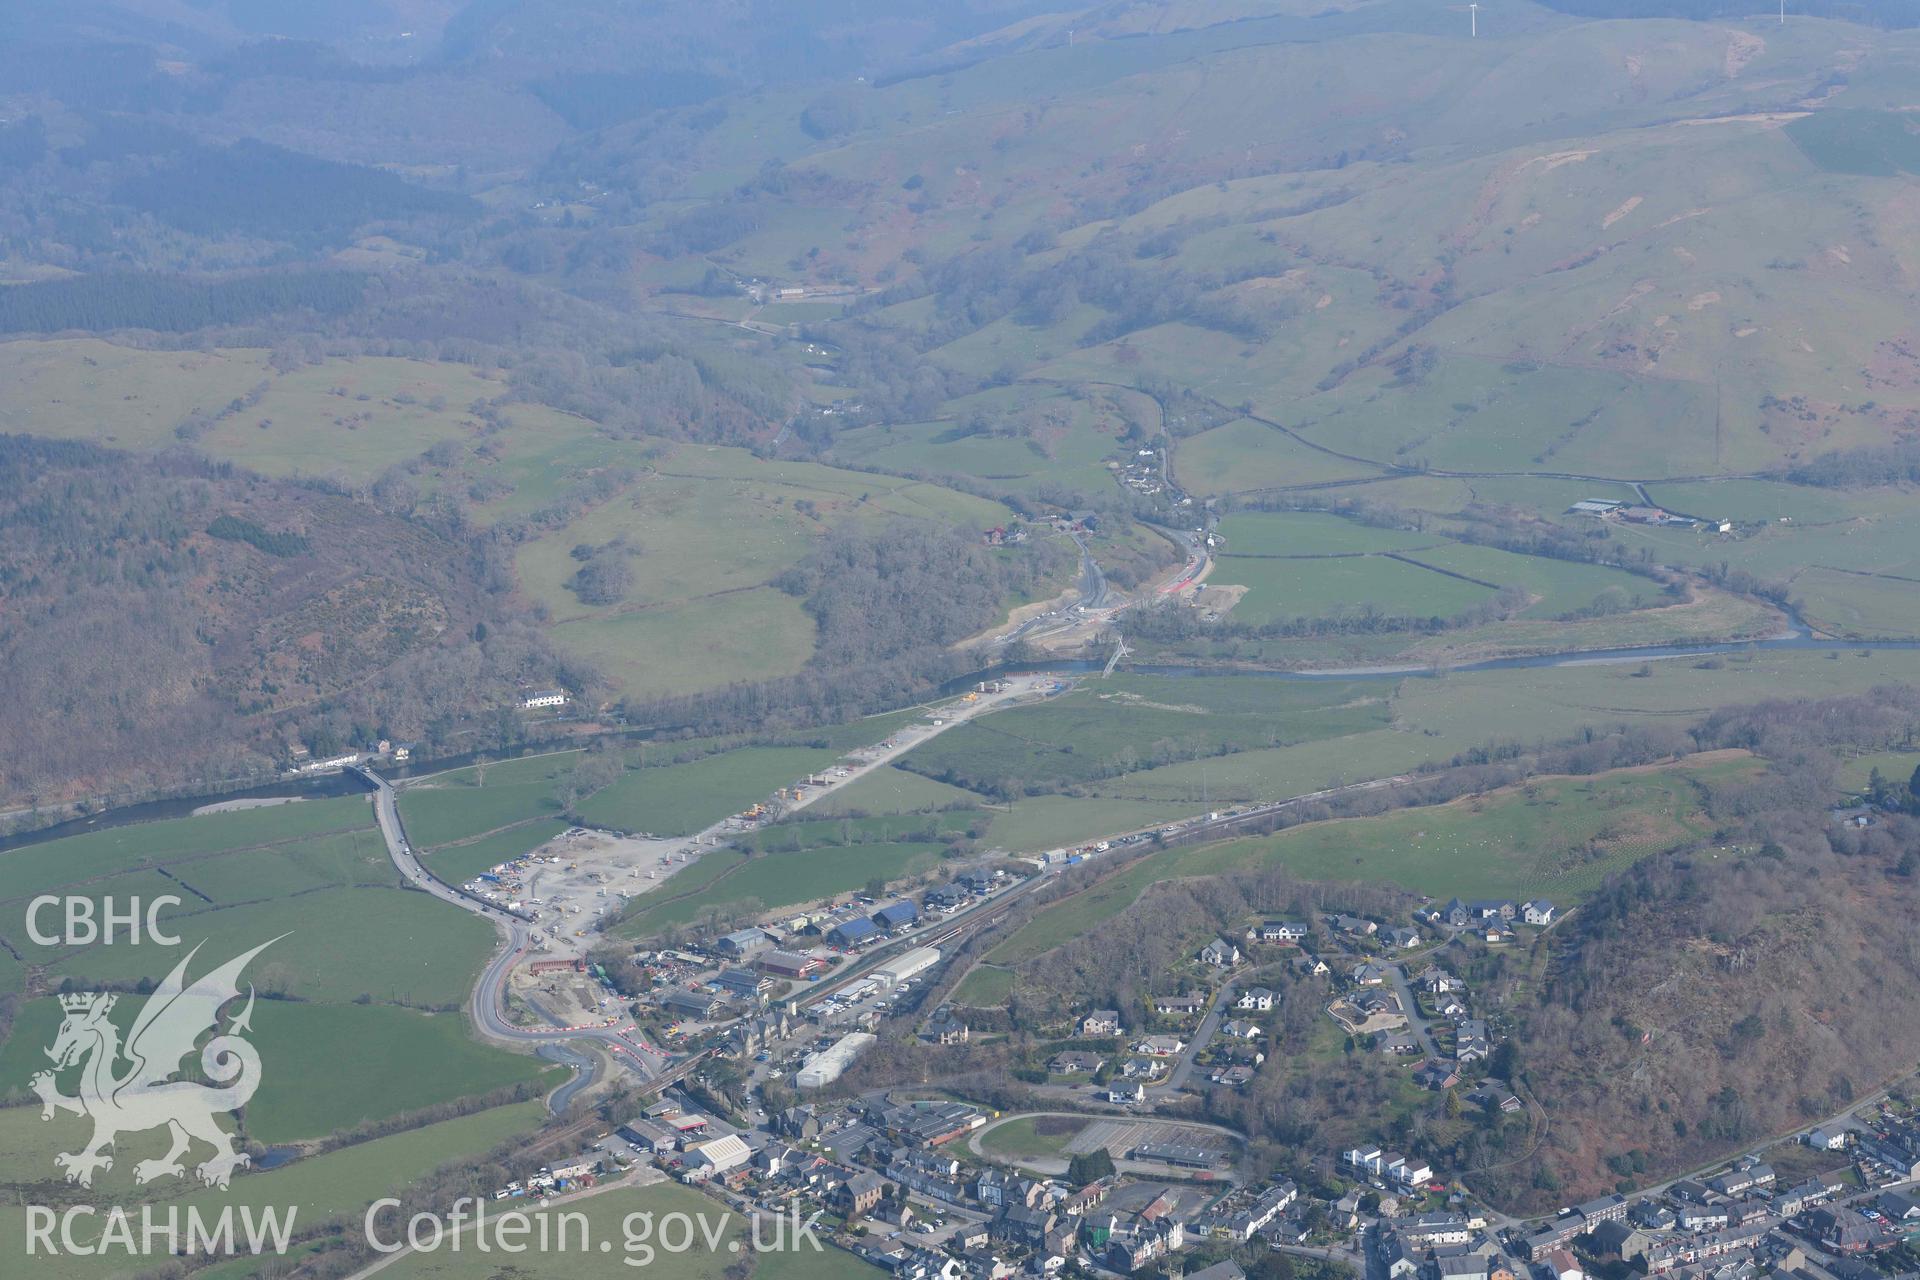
<point>169,622</point>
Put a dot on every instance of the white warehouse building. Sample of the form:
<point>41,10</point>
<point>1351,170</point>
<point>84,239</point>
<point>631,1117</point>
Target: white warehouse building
<point>826,1066</point>
<point>911,965</point>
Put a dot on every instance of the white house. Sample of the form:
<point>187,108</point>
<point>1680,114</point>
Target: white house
<point>545,698</point>
<point>1220,953</point>
<point>1260,998</point>
<point>1539,911</point>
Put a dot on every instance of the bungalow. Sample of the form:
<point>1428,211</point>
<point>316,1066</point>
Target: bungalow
<point>1277,931</point>
<point>1402,938</point>
<point>1101,1022</point>
<point>1354,925</point>
<point>1436,1075</point>
<point>1160,1046</point>
<point>1180,1006</point>
<point>1312,966</point>
<point>1259,998</point>
<point>1398,1044</point>
<point>1073,1062</point>
<point>1220,953</point>
<point>1367,974</point>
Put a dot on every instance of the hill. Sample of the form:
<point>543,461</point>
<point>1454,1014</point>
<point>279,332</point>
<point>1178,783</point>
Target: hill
<point>170,621</point>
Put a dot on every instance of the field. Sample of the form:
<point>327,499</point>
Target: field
<point>776,880</point>
<point>984,987</point>
<point>1309,564</point>
<point>1018,437</point>
<point>1112,727</point>
<point>712,527</point>
<point>353,961</point>
<point>1553,837</point>
<point>679,799</point>
<point>632,1222</point>
<point>1031,1137</point>
<point>338,1184</point>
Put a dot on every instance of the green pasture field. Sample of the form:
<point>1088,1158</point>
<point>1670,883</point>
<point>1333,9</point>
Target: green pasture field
<point>1036,436</point>
<point>754,634</point>
<point>1562,586</point>
<point>711,526</point>
<point>444,810</point>
<point>1245,455</point>
<point>1859,605</point>
<point>1894,766</point>
<point>1033,824</point>
<point>891,789</point>
<point>68,388</point>
<point>338,1184</point>
<point>1278,589</point>
<point>984,987</point>
<point>36,868</point>
<point>348,418</point>
<point>679,799</point>
<point>1555,837</point>
<point>814,833</point>
<point>608,1217</point>
<point>313,425</point>
<point>783,880</point>
<point>1311,533</point>
<point>458,863</point>
<point>373,1067</point>
<point>1116,726</point>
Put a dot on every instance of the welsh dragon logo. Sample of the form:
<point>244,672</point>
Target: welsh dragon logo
<point>144,1095</point>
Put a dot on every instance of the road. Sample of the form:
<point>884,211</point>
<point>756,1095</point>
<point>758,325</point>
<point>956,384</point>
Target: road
<point>1397,974</point>
<point>488,1002</point>
<point>1209,1027</point>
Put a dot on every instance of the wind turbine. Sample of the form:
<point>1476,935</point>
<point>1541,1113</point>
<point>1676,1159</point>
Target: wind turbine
<point>1473,20</point>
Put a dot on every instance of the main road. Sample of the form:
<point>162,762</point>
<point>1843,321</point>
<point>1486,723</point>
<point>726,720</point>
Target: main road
<point>488,1003</point>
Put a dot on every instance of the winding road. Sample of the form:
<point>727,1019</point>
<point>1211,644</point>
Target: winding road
<point>488,1003</point>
